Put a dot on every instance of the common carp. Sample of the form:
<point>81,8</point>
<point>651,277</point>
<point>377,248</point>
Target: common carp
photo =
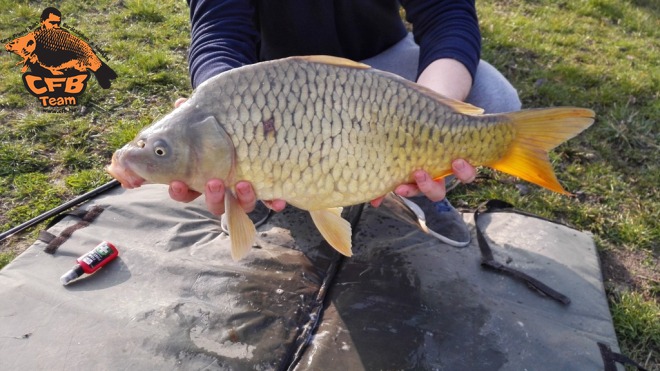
<point>324,132</point>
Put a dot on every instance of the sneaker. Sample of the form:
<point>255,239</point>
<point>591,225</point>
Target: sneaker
<point>442,220</point>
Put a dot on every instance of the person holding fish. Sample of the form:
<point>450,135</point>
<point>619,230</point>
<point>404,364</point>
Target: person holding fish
<point>442,53</point>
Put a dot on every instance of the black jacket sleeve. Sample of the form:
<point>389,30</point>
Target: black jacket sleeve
<point>223,36</point>
<point>445,29</point>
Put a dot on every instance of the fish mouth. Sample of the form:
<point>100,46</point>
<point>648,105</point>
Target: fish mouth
<point>127,177</point>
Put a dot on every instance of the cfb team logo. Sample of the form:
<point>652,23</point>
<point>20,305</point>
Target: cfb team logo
<point>59,63</point>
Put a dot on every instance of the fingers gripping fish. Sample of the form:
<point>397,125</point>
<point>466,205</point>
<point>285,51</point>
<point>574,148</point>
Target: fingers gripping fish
<point>324,132</point>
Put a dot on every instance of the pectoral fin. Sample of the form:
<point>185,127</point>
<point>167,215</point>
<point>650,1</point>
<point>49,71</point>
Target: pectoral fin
<point>335,229</point>
<point>406,211</point>
<point>241,228</point>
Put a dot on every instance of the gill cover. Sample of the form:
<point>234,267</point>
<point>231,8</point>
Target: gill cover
<point>215,156</point>
<point>212,153</point>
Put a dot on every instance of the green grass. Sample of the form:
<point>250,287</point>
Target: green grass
<point>5,258</point>
<point>601,54</point>
<point>46,159</point>
<point>638,324</point>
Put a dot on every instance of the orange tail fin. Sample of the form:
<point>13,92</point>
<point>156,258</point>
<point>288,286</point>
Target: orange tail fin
<point>537,132</point>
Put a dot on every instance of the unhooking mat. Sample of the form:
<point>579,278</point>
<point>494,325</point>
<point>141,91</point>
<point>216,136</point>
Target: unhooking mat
<point>175,300</point>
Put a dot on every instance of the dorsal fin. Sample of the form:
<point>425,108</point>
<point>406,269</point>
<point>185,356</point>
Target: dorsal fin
<point>456,105</point>
<point>460,107</point>
<point>335,61</point>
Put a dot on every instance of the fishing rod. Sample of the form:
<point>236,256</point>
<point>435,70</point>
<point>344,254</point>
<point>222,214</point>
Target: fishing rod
<point>78,200</point>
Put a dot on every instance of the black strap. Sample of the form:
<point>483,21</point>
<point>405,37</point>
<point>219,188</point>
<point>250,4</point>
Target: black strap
<point>488,260</point>
<point>87,216</point>
<point>79,213</point>
<point>610,359</point>
<point>315,314</point>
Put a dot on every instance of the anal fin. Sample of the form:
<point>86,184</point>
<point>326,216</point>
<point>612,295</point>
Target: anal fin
<point>335,229</point>
<point>241,229</point>
<point>442,175</point>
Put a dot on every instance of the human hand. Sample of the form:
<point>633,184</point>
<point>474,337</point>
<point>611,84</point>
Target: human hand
<point>179,102</point>
<point>214,194</point>
<point>433,190</point>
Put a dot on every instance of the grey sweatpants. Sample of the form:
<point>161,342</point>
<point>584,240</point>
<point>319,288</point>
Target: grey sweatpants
<point>490,89</point>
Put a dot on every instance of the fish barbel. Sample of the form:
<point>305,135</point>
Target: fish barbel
<point>323,132</point>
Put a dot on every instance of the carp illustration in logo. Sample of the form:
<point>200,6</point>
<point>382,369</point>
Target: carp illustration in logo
<point>59,62</point>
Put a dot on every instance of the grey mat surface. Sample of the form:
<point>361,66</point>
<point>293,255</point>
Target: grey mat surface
<point>174,299</point>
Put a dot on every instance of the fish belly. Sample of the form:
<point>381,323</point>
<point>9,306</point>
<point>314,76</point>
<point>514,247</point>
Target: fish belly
<point>320,135</point>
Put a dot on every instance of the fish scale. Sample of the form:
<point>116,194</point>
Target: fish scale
<point>397,119</point>
<point>322,132</point>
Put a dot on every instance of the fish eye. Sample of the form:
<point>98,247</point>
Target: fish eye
<point>160,151</point>
<point>160,148</point>
<point>141,143</point>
